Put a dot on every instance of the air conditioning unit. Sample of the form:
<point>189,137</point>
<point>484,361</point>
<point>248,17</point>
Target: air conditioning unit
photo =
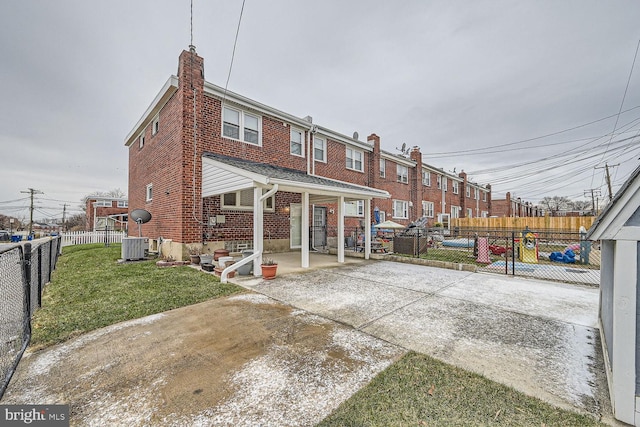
<point>134,247</point>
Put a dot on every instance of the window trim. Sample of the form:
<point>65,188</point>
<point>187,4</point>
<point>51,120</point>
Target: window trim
<point>456,186</point>
<point>426,210</point>
<point>324,149</point>
<point>141,140</point>
<point>240,207</point>
<point>455,209</point>
<point>353,159</point>
<point>359,208</point>
<point>469,213</point>
<point>155,127</point>
<point>405,209</point>
<point>123,204</point>
<point>302,144</point>
<point>383,168</point>
<point>149,193</point>
<point>403,178</point>
<point>468,191</point>
<point>484,196</point>
<point>426,182</point>
<point>242,126</point>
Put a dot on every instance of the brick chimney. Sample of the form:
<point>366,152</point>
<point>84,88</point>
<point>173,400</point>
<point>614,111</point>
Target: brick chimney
<point>415,180</point>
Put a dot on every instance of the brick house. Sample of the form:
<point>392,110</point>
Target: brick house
<point>105,211</point>
<point>216,168</point>
<point>515,208</point>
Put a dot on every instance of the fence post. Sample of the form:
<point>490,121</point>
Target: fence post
<point>39,255</point>
<point>26,327</point>
<point>513,253</point>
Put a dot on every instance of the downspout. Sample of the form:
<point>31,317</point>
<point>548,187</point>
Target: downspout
<point>312,132</point>
<point>258,251</point>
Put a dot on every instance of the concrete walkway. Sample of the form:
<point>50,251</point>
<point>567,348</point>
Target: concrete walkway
<point>537,336</point>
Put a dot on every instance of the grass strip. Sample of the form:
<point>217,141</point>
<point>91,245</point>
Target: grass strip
<point>419,390</point>
<point>90,290</point>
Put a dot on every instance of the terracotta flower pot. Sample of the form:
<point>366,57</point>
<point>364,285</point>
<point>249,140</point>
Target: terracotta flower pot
<point>195,259</point>
<point>269,271</point>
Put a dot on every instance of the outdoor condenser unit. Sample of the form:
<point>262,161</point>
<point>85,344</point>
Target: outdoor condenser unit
<point>134,247</point>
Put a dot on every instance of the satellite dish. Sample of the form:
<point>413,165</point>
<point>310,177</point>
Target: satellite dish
<point>355,135</point>
<point>140,216</point>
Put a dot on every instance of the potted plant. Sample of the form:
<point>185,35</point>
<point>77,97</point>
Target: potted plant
<point>194,253</point>
<point>269,267</point>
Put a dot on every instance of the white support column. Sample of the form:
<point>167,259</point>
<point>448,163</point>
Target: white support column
<point>624,330</point>
<point>367,229</point>
<point>305,230</point>
<point>341,229</point>
<point>258,229</point>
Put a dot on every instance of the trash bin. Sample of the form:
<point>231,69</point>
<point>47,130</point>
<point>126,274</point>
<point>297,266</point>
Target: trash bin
<point>247,269</point>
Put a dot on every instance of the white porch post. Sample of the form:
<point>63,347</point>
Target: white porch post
<point>341,229</point>
<point>367,228</point>
<point>624,330</point>
<point>258,229</point>
<point>305,230</point>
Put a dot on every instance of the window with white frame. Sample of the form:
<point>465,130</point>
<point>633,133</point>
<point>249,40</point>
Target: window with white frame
<point>383,216</point>
<point>476,194</point>
<point>455,185</point>
<point>383,168</point>
<point>103,203</point>
<point>426,178</point>
<point>485,214</point>
<point>354,208</point>
<point>354,159</point>
<point>156,125</point>
<point>240,125</point>
<point>319,149</point>
<point>468,192</point>
<point>243,200</point>
<point>427,209</point>
<point>469,213</point>
<point>297,142</point>
<point>400,209</point>
<point>439,182</point>
<point>403,174</point>
<point>149,192</point>
<point>444,183</point>
<point>455,211</point>
<point>123,204</point>
<point>484,196</point>
<point>141,140</point>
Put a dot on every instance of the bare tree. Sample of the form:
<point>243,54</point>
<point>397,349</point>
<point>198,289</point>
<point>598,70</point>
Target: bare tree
<point>556,204</point>
<point>76,222</point>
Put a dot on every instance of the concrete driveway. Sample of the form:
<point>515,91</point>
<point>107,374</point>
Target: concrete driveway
<point>539,337</point>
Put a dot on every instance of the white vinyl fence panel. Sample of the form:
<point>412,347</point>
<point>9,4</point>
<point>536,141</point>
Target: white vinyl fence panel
<point>84,237</point>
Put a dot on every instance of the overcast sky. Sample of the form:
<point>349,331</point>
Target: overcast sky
<point>447,76</point>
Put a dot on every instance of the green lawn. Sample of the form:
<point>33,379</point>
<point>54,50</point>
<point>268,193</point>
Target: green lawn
<point>421,391</point>
<point>90,290</point>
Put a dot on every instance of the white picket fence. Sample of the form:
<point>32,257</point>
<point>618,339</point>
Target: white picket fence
<point>70,238</point>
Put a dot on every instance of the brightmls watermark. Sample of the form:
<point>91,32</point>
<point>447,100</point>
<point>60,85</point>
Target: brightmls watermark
<point>34,415</point>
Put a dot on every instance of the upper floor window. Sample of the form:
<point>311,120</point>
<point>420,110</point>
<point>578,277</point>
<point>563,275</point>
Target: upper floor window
<point>444,183</point>
<point>319,149</point>
<point>455,186</point>
<point>400,209</point>
<point>297,145</point>
<point>484,196</point>
<point>156,125</point>
<point>476,194</point>
<point>123,204</point>
<point>103,203</point>
<point>141,140</point>
<point>439,182</point>
<point>403,173</point>
<point>383,168</point>
<point>240,125</point>
<point>354,159</point>
<point>149,192</point>
<point>426,178</point>
<point>468,191</point>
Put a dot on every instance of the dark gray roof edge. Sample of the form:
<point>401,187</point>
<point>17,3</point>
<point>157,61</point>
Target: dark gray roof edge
<point>293,172</point>
<point>614,202</point>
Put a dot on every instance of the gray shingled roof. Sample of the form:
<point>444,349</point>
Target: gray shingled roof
<point>287,174</point>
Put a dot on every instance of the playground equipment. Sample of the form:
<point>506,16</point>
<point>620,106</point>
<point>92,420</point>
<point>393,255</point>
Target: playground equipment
<point>528,247</point>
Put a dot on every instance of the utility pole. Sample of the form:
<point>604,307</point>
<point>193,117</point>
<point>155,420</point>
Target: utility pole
<point>594,192</point>
<point>606,169</point>
<point>31,191</point>
<point>64,211</point>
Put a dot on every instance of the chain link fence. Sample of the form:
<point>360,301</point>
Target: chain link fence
<point>24,270</point>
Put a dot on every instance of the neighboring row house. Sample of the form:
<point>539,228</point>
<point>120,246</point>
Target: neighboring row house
<point>515,208</point>
<point>217,168</point>
<point>106,213</point>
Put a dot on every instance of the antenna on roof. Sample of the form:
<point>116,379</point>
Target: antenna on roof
<point>404,150</point>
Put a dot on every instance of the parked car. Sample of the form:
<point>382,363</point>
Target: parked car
<point>5,236</point>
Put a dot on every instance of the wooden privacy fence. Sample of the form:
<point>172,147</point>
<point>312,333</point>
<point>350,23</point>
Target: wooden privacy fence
<point>84,237</point>
<point>565,223</point>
